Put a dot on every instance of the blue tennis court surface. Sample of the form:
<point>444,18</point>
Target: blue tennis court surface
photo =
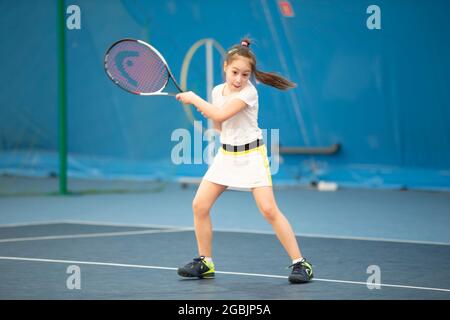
<point>129,246</point>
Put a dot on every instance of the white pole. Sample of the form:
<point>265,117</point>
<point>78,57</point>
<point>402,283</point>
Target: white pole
<point>209,80</point>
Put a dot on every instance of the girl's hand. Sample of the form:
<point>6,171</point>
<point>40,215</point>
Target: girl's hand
<point>187,97</point>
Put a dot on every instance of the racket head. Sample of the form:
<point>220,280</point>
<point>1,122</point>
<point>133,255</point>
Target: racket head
<point>137,67</point>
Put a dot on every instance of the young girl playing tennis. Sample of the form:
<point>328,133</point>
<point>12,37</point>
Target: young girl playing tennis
<point>241,162</point>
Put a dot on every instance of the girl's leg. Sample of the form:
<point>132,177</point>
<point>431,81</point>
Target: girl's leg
<point>204,199</point>
<point>265,200</point>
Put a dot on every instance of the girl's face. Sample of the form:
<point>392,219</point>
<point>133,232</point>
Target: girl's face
<point>237,73</point>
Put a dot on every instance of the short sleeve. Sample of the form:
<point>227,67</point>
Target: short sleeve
<point>249,95</point>
<point>215,94</point>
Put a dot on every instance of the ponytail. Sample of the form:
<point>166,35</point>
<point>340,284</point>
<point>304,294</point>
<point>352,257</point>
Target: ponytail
<point>274,80</point>
<point>268,78</point>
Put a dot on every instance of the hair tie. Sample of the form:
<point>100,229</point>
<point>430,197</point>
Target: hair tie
<point>245,44</point>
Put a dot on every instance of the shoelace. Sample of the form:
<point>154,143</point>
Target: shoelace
<point>196,260</point>
<point>298,265</point>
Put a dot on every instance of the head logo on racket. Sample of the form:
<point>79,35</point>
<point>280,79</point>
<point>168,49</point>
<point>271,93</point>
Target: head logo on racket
<point>120,59</point>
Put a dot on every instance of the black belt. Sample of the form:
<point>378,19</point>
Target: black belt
<point>244,147</point>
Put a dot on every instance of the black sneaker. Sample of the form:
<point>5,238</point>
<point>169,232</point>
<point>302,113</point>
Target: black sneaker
<point>199,268</point>
<point>301,272</point>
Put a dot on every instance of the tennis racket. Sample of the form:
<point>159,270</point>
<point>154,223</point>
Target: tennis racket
<point>137,67</point>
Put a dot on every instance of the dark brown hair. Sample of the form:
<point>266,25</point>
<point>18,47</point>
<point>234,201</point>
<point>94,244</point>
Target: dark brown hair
<point>269,78</point>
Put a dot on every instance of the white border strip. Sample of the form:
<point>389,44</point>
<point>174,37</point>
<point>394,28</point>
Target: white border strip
<point>219,272</point>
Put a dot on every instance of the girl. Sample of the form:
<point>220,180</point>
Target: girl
<point>242,160</point>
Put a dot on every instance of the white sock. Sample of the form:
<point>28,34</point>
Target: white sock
<point>208,259</point>
<point>297,260</point>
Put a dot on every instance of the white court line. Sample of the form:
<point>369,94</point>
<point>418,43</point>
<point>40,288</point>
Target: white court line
<point>248,231</point>
<point>313,235</point>
<point>131,225</point>
<point>91,235</point>
<point>219,272</point>
<point>90,223</point>
<point>31,224</point>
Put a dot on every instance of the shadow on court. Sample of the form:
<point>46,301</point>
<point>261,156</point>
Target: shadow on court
<point>123,262</point>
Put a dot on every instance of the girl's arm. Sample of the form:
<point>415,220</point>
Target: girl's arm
<point>217,126</point>
<point>209,110</point>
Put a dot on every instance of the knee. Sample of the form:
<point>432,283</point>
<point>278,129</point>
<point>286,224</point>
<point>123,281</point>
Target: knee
<point>200,209</point>
<point>269,211</point>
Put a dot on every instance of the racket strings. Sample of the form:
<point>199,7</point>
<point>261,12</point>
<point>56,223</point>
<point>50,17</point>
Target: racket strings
<point>136,67</point>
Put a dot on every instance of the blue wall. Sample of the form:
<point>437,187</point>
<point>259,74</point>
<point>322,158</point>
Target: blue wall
<point>382,94</point>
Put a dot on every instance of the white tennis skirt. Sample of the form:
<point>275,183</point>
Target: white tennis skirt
<point>242,170</point>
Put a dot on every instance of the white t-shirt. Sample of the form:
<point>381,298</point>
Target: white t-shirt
<point>243,127</point>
